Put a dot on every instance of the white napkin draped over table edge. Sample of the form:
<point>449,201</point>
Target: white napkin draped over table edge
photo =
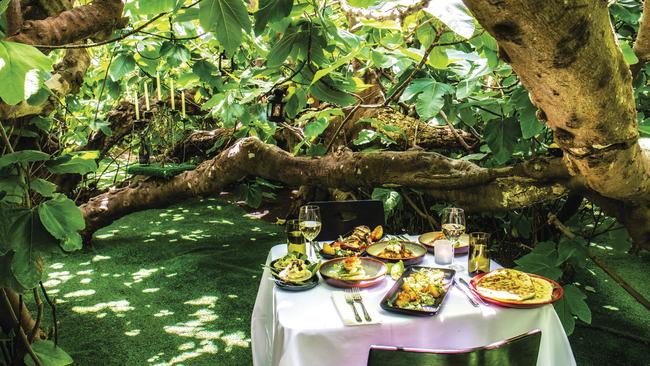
<point>347,314</point>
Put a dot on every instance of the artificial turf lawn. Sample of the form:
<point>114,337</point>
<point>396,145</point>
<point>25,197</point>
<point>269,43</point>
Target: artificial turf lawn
<point>169,286</point>
<point>177,286</point>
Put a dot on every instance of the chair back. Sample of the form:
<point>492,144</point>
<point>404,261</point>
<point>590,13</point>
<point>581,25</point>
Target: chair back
<point>518,351</point>
<point>341,217</point>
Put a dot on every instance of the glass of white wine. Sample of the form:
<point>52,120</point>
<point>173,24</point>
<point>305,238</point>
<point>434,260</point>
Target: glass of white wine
<point>310,224</point>
<point>453,226</point>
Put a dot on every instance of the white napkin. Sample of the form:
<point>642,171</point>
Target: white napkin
<point>347,314</point>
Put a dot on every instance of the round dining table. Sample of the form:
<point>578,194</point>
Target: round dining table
<point>305,329</point>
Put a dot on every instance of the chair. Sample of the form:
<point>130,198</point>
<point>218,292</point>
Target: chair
<point>521,350</point>
<point>341,217</point>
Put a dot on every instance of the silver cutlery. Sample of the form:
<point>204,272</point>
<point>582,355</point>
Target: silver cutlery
<point>349,299</point>
<point>471,300</point>
<point>464,283</point>
<point>356,296</point>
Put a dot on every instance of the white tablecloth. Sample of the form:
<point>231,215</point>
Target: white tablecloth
<point>304,328</point>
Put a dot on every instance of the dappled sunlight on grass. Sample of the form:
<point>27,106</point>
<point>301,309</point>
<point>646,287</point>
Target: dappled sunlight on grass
<point>118,306</point>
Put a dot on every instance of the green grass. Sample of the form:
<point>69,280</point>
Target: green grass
<point>169,286</point>
<point>177,286</point>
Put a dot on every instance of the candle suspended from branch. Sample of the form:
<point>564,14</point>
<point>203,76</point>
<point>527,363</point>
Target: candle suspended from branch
<point>183,103</point>
<point>146,95</point>
<point>137,106</point>
<point>158,85</point>
<point>171,94</point>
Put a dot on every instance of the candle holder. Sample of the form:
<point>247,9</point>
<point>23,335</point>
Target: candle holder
<point>275,106</point>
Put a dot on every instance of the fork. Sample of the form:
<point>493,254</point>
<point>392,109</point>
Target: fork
<point>356,296</point>
<point>350,300</point>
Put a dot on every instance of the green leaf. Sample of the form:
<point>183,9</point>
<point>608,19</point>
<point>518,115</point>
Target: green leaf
<point>271,11</point>
<point>315,128</point>
<point>22,156</point>
<point>121,65</point>
<point>389,197</point>
<point>430,102</point>
<point>281,50</point>
<point>576,300</point>
<point>63,219</point>
<point>149,7</point>
<point>43,187</point>
<point>364,3</point>
<point>49,354</point>
<point>3,5</point>
<point>20,65</point>
<point>226,18</point>
<point>628,53</point>
<point>501,136</point>
<point>365,137</point>
<point>326,93</point>
<point>543,265</point>
<point>176,53</point>
<point>530,125</point>
<point>77,163</point>
<point>454,14</point>
<point>564,313</point>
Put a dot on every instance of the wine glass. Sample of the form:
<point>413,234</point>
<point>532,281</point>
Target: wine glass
<point>453,226</point>
<point>310,224</point>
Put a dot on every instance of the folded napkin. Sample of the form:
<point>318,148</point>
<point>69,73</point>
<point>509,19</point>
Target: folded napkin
<point>347,314</point>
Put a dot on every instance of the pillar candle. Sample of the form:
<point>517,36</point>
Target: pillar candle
<point>146,95</point>
<point>137,106</point>
<point>171,94</point>
<point>183,103</point>
<point>158,85</point>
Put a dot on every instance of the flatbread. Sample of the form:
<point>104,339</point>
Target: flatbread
<point>507,285</point>
<point>543,291</point>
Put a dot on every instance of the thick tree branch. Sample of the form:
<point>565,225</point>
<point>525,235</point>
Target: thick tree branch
<point>577,75</point>
<point>72,25</point>
<point>444,178</point>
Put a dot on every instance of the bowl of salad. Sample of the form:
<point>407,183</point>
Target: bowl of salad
<point>294,272</point>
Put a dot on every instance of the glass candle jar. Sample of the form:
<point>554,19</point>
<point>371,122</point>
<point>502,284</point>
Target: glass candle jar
<point>444,251</point>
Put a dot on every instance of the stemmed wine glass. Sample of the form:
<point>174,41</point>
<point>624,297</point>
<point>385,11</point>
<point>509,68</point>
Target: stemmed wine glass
<point>453,226</point>
<point>310,224</point>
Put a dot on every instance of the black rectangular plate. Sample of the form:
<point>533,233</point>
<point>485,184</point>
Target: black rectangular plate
<point>428,310</point>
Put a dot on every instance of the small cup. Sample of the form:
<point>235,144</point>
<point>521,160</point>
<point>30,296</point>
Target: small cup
<point>479,258</point>
<point>444,251</point>
<point>295,239</point>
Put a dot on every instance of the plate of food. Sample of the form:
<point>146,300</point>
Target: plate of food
<point>420,291</point>
<point>395,250</point>
<point>353,244</point>
<point>353,271</point>
<point>427,239</point>
<point>294,272</point>
<point>516,289</point>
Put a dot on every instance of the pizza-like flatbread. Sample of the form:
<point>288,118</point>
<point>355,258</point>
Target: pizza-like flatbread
<point>507,285</point>
<point>543,291</point>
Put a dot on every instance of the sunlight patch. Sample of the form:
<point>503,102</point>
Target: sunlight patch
<point>85,281</point>
<point>209,301</point>
<point>119,306</point>
<point>80,293</point>
<point>186,346</point>
<point>150,290</point>
<point>171,275</point>
<point>233,296</point>
<point>237,339</point>
<point>610,307</point>
<point>205,315</point>
<point>171,232</point>
<point>98,258</point>
<point>86,272</point>
<point>104,236</point>
<point>143,273</point>
<point>133,333</point>
<point>162,313</point>
<point>57,265</point>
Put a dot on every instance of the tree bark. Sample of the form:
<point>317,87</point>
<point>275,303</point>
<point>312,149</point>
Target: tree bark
<point>566,55</point>
<point>447,179</point>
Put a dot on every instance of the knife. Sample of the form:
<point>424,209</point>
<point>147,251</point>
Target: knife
<point>471,300</point>
<point>462,280</point>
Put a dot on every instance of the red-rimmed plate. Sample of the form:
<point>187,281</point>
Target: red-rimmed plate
<point>375,273</point>
<point>557,294</point>
<point>427,240</point>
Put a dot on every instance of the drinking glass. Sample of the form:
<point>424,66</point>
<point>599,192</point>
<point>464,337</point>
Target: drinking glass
<point>479,258</point>
<point>453,226</point>
<point>310,224</point>
<point>295,239</point>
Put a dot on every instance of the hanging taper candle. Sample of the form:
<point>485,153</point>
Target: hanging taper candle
<point>171,93</point>
<point>183,103</point>
<point>146,95</point>
<point>158,90</point>
<point>137,104</point>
